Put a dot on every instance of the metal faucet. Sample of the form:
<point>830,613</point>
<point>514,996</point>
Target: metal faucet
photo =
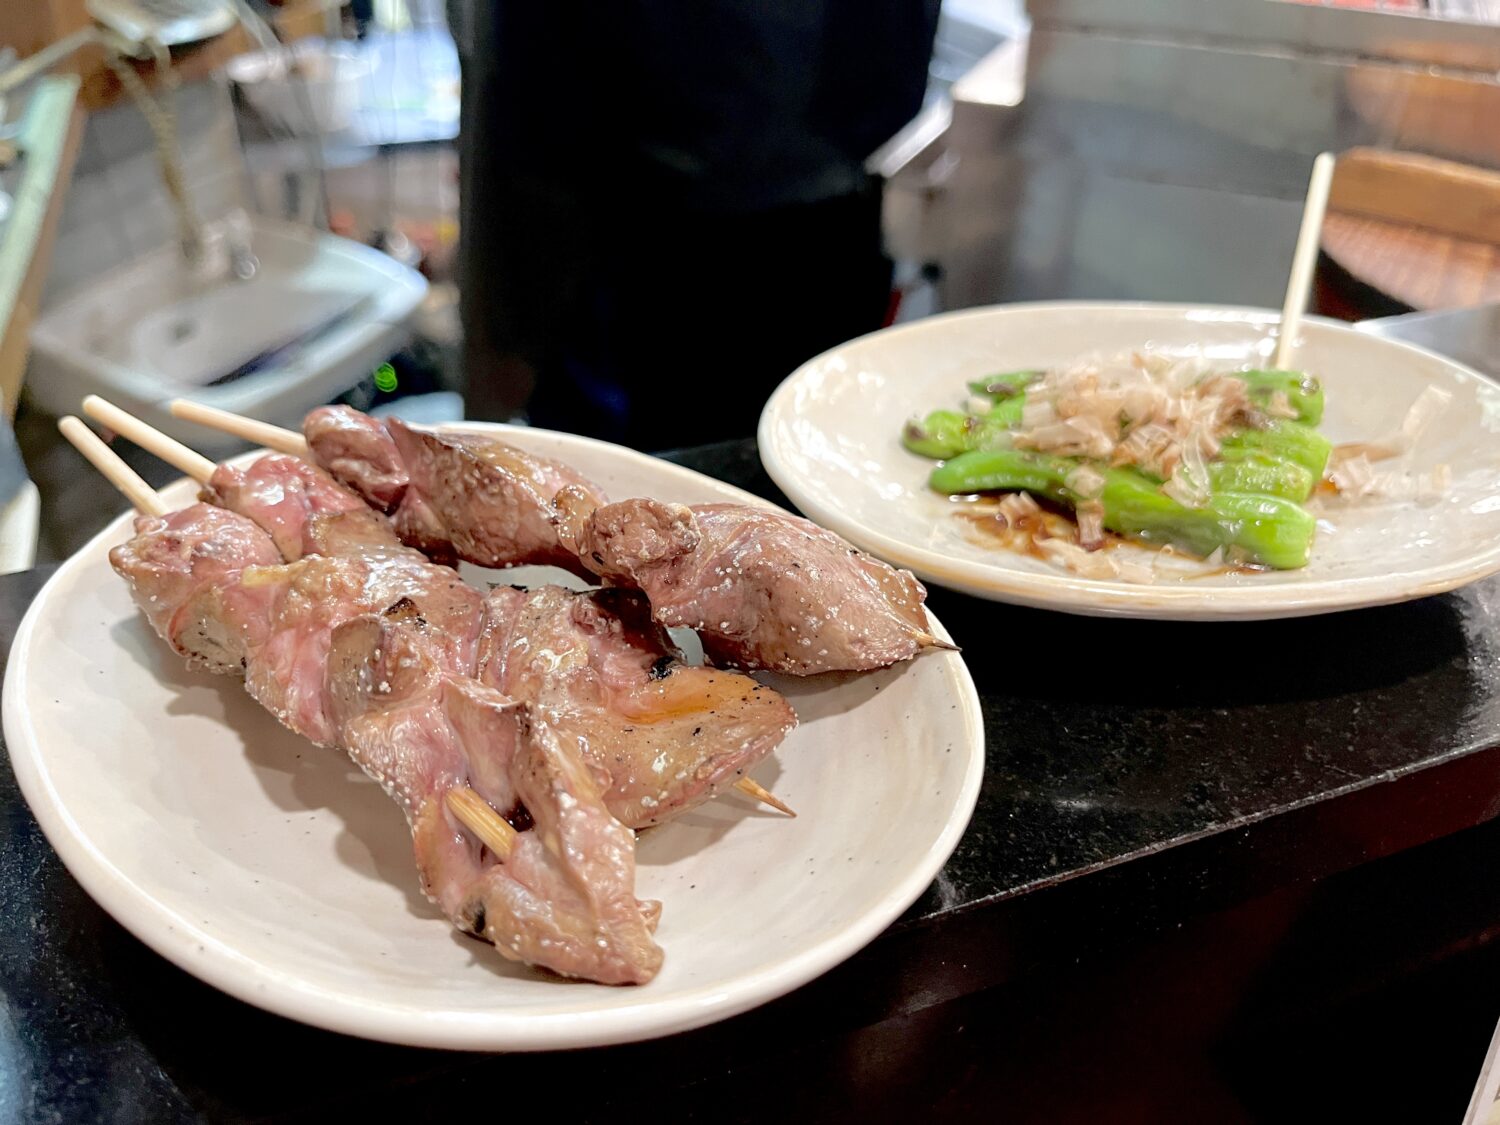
<point>243,264</point>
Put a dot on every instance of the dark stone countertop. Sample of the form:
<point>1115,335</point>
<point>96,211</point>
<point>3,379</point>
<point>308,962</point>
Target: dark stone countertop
<point>1164,773</point>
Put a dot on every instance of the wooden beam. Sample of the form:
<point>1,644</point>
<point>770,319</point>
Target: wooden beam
<point>1435,195</point>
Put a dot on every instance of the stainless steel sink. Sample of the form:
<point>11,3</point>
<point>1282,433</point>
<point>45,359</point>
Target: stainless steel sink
<point>317,314</point>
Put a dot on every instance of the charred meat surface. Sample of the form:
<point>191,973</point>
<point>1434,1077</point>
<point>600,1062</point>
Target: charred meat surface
<point>564,897</point>
<point>664,736</point>
<point>764,589</point>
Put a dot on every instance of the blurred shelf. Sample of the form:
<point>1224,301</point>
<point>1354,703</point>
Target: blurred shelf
<point>50,130</point>
<point>409,99</point>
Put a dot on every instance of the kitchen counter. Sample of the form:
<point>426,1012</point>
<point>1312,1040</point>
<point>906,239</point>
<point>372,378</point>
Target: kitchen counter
<point>1199,849</point>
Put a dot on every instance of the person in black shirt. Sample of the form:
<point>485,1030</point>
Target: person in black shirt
<point>664,205</point>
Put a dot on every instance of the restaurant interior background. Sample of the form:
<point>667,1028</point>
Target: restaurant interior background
<point>273,217</point>
<point>1081,150</point>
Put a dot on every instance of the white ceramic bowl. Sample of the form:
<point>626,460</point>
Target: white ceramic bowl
<point>830,437</point>
<point>275,871</point>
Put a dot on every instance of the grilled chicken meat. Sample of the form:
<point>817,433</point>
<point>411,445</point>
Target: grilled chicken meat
<point>763,588</point>
<point>358,450</point>
<point>183,570</point>
<point>450,493</point>
<point>486,501</point>
<point>563,898</point>
<point>357,652</point>
<point>303,509</point>
<point>664,734</point>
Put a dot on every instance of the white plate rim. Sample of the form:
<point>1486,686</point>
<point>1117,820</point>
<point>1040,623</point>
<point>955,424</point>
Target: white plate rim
<point>1099,597</point>
<point>215,961</point>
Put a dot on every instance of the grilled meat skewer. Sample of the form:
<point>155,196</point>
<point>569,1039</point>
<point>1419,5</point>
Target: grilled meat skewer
<point>667,735</point>
<point>662,736</point>
<point>302,509</point>
<point>453,494</point>
<point>562,897</point>
<point>763,588</point>
<point>450,493</point>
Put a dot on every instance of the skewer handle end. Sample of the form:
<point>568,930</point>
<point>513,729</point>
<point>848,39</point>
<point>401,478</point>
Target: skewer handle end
<point>143,498</point>
<point>153,441</point>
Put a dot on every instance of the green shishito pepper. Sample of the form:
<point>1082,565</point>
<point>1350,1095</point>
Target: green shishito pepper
<point>1282,439</point>
<point>1245,464</point>
<point>942,434</point>
<point>1303,391</point>
<point>1248,470</point>
<point>1286,441</point>
<point>1269,530</point>
<point>947,433</point>
<point>1006,413</point>
<point>1286,458</point>
<point>1006,384</point>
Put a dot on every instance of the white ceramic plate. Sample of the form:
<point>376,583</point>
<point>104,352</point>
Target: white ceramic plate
<point>276,872</point>
<point>830,437</point>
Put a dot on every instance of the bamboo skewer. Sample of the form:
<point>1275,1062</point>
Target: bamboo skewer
<point>143,498</point>
<point>927,640</point>
<point>765,796</point>
<point>261,433</point>
<point>1304,259</point>
<point>288,441</point>
<point>475,814</point>
<point>152,440</point>
<point>752,788</point>
<point>472,810</point>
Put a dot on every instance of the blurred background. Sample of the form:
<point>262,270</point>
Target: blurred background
<point>634,219</point>
<point>633,222</point>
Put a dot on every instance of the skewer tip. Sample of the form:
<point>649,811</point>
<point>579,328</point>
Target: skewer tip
<point>754,789</point>
<point>90,405</point>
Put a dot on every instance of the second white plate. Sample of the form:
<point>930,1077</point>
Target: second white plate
<point>830,437</point>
